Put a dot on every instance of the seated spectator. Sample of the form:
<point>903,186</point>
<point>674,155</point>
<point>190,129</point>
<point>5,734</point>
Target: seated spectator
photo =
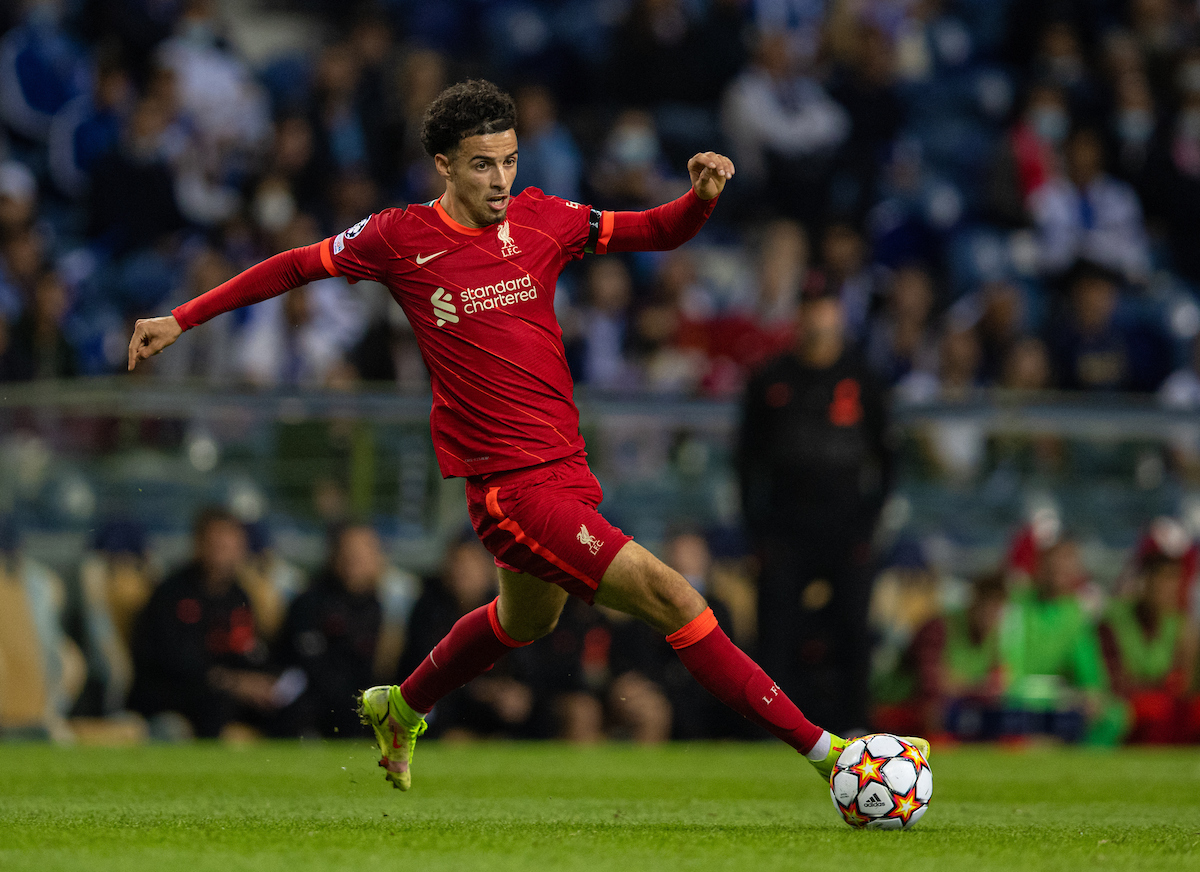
<point>1086,213</point>
<point>549,157</point>
<point>596,332</point>
<point>1150,648</point>
<point>1030,154</point>
<point>41,68</point>
<point>41,668</point>
<point>196,651</point>
<point>1098,347</point>
<point>1026,367</point>
<point>38,348</point>
<point>500,702</point>
<point>115,583</point>
<point>673,332</point>
<point>1051,656</point>
<point>784,129</point>
<point>949,677</point>
<point>332,632</point>
<point>632,172</point>
<point>902,339</point>
<point>860,284</point>
<point>89,127</point>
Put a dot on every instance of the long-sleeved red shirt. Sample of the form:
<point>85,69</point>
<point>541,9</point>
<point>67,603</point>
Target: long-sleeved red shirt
<point>481,303</point>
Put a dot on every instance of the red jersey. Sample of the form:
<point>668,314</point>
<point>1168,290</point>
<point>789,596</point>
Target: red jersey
<point>481,302</point>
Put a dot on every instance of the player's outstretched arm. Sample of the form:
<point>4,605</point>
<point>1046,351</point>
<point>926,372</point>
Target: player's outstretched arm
<point>151,336</point>
<point>272,277</point>
<point>670,225</point>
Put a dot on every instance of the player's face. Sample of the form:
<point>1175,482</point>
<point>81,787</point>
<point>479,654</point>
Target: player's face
<point>479,176</point>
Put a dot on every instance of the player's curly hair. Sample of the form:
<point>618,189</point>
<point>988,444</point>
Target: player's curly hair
<point>470,108</point>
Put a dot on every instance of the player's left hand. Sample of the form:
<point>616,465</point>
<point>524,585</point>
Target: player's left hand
<point>709,171</point>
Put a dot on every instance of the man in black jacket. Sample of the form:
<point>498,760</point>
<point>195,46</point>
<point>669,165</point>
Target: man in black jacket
<point>815,467</point>
<point>196,651</point>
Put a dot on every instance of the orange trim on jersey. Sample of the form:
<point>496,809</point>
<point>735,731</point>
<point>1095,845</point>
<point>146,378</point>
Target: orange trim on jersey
<point>606,232</point>
<point>454,225</point>
<point>327,257</point>
<point>494,619</point>
<point>694,630</point>
<point>510,526</point>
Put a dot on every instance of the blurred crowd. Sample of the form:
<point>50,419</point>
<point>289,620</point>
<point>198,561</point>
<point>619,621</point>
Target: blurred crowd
<point>237,643</point>
<point>1003,192</point>
<point>1037,648</point>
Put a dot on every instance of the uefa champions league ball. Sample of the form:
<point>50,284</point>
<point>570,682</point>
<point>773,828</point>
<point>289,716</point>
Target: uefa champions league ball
<point>881,782</point>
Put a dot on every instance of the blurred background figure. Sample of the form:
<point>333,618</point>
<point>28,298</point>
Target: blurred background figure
<point>200,667</point>
<point>1051,656</point>
<point>42,671</point>
<point>334,630</point>
<point>815,466</point>
<point>1150,646</point>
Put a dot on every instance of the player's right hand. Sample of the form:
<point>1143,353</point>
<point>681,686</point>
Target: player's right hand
<point>150,336</point>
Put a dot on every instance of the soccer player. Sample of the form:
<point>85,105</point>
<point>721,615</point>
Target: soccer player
<point>475,272</point>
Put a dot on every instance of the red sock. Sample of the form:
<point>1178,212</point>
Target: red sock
<point>736,680</point>
<point>474,643</point>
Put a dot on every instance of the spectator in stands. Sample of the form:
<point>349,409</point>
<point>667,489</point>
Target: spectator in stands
<point>1098,347</point>
<point>333,629</point>
<point>597,332</point>
<point>1175,179</point>
<point>41,668</point>
<point>1030,155</point>
<point>1132,133</point>
<point>672,332</point>
<point>196,652</point>
<point>631,172</point>
<point>949,679</point>
<point>1026,366</point>
<point>497,703</point>
<point>1051,655</point>
<point>550,159</point>
<point>41,69</point>
<point>37,345</point>
<point>902,338</point>
<point>89,127</point>
<point>115,582</point>
<point>815,466</point>
<point>1086,213</point>
<point>860,284</point>
<point>784,129</point>
<point>1150,648</point>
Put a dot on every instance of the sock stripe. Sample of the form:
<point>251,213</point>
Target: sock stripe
<point>493,614</point>
<point>694,630</point>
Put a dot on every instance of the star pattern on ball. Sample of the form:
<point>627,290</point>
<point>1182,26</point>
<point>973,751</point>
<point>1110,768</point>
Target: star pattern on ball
<point>906,805</point>
<point>868,768</point>
<point>913,754</point>
<point>853,818</point>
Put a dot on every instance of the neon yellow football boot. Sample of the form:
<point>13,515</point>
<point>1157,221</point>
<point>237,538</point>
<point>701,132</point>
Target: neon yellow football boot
<point>396,729</point>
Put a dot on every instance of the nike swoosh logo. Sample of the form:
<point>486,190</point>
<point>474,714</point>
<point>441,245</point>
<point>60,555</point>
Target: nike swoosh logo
<point>425,258</point>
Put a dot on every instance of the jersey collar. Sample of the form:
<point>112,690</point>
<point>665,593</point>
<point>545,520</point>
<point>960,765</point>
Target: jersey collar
<point>454,225</point>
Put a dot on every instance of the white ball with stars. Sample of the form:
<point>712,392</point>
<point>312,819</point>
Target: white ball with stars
<point>881,782</point>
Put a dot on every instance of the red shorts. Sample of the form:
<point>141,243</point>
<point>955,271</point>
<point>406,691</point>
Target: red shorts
<point>542,520</point>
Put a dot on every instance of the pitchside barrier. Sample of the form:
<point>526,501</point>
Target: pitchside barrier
<point>77,456</point>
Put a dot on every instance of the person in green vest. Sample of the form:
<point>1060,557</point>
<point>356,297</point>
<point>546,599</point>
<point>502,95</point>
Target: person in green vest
<point>949,681</point>
<point>1150,648</point>
<point>1050,653</point>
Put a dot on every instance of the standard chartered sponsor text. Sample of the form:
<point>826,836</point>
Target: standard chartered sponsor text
<point>504,293</point>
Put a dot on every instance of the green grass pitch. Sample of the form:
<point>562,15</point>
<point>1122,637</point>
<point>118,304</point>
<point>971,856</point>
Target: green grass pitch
<point>495,807</point>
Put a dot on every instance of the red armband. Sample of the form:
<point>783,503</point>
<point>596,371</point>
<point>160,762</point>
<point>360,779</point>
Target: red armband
<point>662,228</point>
<point>272,277</point>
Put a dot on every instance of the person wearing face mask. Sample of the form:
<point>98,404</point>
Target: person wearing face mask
<point>1029,155</point>
<point>1133,129</point>
<point>1173,173</point>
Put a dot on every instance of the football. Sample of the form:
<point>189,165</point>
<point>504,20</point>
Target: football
<point>881,782</point>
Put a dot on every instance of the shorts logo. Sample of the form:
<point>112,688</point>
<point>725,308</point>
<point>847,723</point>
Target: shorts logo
<point>589,541</point>
<point>507,247</point>
<point>443,307</point>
